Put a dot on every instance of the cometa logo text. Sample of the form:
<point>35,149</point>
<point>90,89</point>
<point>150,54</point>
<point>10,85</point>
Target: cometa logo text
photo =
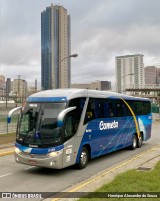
<point>105,126</point>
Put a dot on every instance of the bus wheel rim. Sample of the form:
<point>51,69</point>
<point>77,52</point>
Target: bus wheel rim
<point>134,142</point>
<point>83,158</point>
<point>140,140</point>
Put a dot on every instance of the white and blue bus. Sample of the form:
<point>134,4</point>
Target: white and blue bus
<point>62,127</point>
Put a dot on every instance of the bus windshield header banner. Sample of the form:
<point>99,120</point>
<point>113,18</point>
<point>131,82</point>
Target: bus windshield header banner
<point>46,99</point>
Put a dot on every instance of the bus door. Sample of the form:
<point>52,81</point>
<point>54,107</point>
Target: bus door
<point>70,129</point>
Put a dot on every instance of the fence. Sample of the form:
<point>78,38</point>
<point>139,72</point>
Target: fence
<point>4,126</point>
<point>155,108</point>
<point>155,111</point>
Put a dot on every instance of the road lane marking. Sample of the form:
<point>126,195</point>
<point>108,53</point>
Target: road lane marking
<point>6,153</point>
<point>107,172</point>
<point>5,175</point>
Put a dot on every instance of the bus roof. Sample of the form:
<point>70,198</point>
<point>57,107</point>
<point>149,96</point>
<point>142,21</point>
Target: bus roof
<point>61,95</point>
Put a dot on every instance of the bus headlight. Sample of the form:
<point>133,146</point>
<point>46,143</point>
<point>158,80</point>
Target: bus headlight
<point>17,150</point>
<point>55,153</point>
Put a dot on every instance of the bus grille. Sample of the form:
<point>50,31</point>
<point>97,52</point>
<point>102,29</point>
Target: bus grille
<point>28,155</point>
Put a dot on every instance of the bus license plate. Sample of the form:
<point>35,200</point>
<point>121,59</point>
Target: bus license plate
<point>32,162</point>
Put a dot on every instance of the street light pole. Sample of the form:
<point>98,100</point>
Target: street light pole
<point>72,55</point>
<point>125,76</point>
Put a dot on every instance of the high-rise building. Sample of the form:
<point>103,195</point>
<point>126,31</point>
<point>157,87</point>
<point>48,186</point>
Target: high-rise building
<point>129,72</point>
<point>8,86</point>
<point>55,46</point>
<point>19,88</point>
<point>152,75</point>
<point>158,76</point>
<point>2,87</point>
<point>101,85</point>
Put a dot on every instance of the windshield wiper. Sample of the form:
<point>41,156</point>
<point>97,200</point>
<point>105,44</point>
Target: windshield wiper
<point>31,133</point>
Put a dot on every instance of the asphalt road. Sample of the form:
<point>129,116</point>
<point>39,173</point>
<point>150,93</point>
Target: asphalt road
<point>22,178</point>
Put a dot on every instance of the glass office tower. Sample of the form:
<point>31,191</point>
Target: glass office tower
<point>55,46</point>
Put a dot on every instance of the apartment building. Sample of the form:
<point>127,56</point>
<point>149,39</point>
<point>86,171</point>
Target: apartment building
<point>129,72</point>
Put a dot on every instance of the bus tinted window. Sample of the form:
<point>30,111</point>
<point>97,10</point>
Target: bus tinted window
<point>140,107</point>
<point>108,109</point>
<point>90,112</point>
<point>146,107</point>
<point>105,108</point>
<point>99,108</point>
<point>121,109</point>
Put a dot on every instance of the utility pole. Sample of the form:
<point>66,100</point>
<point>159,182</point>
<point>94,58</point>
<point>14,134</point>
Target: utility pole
<point>35,85</point>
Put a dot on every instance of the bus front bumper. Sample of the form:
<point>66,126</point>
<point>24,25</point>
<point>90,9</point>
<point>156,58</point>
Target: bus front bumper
<point>45,160</point>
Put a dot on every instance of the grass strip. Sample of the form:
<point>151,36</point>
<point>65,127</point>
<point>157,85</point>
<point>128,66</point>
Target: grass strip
<point>130,181</point>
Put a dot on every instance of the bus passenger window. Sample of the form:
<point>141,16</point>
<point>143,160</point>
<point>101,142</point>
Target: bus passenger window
<point>108,109</point>
<point>90,113</point>
<point>119,109</point>
<point>111,112</point>
<point>98,108</point>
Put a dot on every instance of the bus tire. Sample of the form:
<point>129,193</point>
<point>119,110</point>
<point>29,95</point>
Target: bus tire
<point>134,142</point>
<point>83,159</point>
<point>139,141</point>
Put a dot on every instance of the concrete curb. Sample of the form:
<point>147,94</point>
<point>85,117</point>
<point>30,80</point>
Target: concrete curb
<point>6,149</point>
<point>7,153</point>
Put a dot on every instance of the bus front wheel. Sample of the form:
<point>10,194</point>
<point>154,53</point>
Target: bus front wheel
<point>84,157</point>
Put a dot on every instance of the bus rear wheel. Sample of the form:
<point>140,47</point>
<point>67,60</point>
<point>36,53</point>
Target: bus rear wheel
<point>139,141</point>
<point>134,142</point>
<point>84,157</point>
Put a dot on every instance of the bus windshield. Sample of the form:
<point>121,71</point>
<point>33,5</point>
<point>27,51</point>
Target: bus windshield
<point>38,124</point>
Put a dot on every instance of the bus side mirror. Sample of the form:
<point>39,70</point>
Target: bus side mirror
<point>62,114</point>
<point>12,112</point>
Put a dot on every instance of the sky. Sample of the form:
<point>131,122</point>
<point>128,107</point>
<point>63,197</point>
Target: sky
<point>100,31</point>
